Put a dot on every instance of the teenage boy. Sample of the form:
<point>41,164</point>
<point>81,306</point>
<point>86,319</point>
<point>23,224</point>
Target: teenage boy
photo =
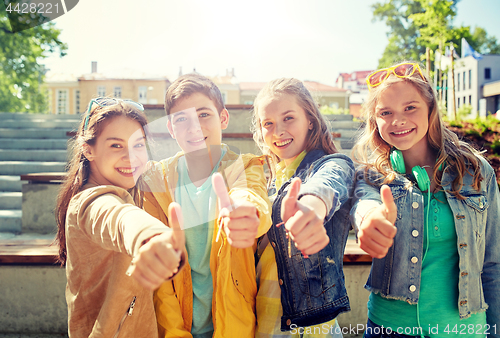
<point>214,295</point>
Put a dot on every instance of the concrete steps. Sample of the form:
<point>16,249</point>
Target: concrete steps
<point>33,133</point>
<point>29,143</point>
<point>11,200</point>
<point>10,183</point>
<point>10,221</point>
<point>41,155</point>
<point>27,167</point>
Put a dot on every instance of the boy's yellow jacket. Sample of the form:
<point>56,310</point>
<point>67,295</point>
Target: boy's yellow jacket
<point>233,270</point>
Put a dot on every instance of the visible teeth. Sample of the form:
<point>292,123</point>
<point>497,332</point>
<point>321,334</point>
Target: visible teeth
<point>402,132</point>
<point>283,143</point>
<point>201,139</point>
<point>126,171</point>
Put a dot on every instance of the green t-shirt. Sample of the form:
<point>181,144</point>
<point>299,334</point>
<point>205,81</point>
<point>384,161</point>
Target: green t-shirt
<point>437,309</point>
<point>198,210</point>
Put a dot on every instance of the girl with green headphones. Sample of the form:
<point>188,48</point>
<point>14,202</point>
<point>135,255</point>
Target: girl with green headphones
<point>426,207</point>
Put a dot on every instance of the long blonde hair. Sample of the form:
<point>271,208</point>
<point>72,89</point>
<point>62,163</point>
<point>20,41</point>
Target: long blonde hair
<point>373,152</point>
<point>79,166</point>
<point>318,137</point>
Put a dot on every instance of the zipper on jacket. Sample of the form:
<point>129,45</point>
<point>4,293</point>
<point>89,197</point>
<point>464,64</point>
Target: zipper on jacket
<point>127,314</point>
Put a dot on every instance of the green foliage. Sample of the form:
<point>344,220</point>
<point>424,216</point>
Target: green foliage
<point>326,110</point>
<point>456,124</point>
<point>417,24</point>
<point>402,33</point>
<point>434,22</point>
<point>21,71</point>
<point>463,112</point>
<point>495,147</point>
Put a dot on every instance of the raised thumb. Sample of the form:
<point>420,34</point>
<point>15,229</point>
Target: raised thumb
<point>389,205</point>
<point>176,223</point>
<point>221,191</point>
<point>289,204</point>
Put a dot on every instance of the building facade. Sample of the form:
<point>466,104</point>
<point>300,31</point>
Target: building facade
<point>477,84</point>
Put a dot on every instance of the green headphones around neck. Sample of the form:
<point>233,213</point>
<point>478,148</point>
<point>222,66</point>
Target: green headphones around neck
<point>398,164</point>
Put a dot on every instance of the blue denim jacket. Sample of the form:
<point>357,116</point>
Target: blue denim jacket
<point>478,241</point>
<point>313,289</point>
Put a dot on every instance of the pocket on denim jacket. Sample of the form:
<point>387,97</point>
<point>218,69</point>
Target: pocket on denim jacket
<point>477,205</point>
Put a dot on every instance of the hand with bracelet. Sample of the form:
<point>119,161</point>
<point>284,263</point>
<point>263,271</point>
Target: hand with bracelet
<point>377,230</point>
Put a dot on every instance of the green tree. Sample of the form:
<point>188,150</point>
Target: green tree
<point>434,23</point>
<point>21,71</point>
<point>402,33</point>
<point>481,42</point>
<point>417,24</point>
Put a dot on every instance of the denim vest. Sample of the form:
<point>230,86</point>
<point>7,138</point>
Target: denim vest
<point>313,289</point>
<point>478,241</point>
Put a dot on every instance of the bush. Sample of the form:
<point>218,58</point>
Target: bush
<point>495,147</point>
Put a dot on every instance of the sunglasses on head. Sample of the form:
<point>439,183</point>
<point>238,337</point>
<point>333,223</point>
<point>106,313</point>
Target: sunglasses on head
<point>402,70</point>
<point>106,102</point>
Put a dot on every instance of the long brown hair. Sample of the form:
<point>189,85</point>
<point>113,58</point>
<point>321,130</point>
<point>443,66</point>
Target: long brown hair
<point>78,168</point>
<point>318,137</point>
<point>373,152</point>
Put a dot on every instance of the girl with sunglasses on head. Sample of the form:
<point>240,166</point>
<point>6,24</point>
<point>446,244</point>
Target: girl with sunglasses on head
<point>115,253</point>
<point>300,259</point>
<point>426,207</point>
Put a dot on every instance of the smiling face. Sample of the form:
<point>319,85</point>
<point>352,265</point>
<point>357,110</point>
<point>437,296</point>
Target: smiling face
<point>284,126</point>
<point>119,154</point>
<point>402,118</point>
<point>196,124</point>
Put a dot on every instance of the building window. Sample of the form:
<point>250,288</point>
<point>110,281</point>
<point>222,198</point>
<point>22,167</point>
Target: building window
<point>470,100</point>
<point>101,91</point>
<point>458,82</point>
<point>143,94</point>
<point>464,80</point>
<point>77,102</point>
<point>49,100</point>
<point>464,101</point>
<point>117,92</point>
<point>458,103</point>
<point>470,78</point>
<point>487,73</point>
<point>62,101</point>
<point>224,97</point>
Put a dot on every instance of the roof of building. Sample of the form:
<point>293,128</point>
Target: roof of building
<point>122,74</point>
<point>359,76</point>
<point>52,77</point>
<point>311,85</point>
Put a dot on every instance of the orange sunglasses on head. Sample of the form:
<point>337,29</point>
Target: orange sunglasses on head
<point>402,70</point>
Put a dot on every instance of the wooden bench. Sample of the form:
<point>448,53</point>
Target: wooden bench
<point>24,252</point>
<point>43,252</point>
<point>40,251</point>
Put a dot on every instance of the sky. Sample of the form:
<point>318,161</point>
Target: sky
<point>261,39</point>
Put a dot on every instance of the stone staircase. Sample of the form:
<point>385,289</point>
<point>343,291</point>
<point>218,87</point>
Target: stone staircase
<point>29,143</point>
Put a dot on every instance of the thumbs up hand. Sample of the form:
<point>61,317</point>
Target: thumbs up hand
<point>159,259</point>
<point>377,230</point>
<point>304,220</point>
<point>239,218</point>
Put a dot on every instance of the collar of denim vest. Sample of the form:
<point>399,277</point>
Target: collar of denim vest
<point>310,157</point>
